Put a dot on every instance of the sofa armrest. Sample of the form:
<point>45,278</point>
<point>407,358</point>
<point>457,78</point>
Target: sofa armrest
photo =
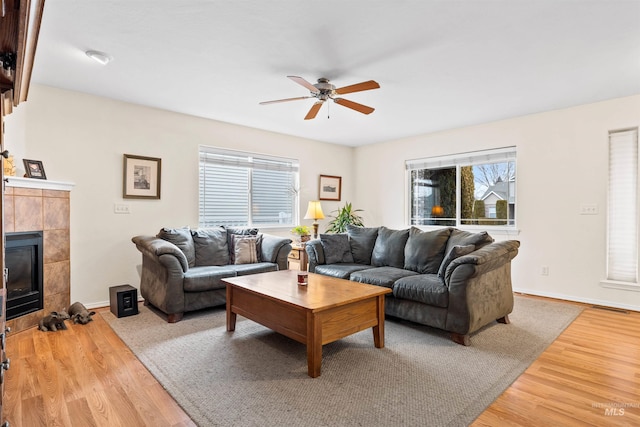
<point>155,247</point>
<point>315,253</point>
<point>483,260</point>
<point>480,288</point>
<point>276,249</point>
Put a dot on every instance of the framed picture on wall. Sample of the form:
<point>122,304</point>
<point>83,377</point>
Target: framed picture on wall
<point>141,177</point>
<point>330,187</point>
<point>34,169</point>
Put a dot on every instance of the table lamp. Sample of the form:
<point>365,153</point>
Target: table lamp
<point>314,212</point>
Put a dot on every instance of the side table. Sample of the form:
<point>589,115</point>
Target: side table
<point>298,255</point>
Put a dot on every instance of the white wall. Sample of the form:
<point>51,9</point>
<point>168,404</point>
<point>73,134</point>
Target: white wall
<point>82,139</point>
<point>561,164</point>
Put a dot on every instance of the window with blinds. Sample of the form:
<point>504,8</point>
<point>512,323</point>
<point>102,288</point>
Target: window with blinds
<point>622,207</point>
<point>246,189</point>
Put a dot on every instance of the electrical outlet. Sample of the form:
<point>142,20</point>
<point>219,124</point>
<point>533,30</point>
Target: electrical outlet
<point>588,209</point>
<point>544,270</point>
<point>121,208</point>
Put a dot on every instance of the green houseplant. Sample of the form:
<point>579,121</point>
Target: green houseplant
<point>345,215</point>
<point>302,231</point>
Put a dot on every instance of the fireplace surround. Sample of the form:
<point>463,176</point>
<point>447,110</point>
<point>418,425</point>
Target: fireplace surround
<point>42,205</point>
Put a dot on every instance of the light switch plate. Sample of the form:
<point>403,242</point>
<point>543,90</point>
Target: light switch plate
<point>120,208</point>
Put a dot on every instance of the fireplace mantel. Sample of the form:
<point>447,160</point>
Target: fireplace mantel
<point>43,184</point>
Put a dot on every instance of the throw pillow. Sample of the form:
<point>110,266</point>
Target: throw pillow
<point>238,231</point>
<point>211,246</point>
<point>181,237</point>
<point>336,248</point>
<point>425,250</point>
<point>246,249</point>
<point>463,238</point>
<point>455,252</point>
<point>389,248</point>
<point>362,240</point>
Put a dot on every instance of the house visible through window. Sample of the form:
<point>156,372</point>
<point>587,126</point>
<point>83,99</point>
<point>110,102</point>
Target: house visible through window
<point>246,189</point>
<point>476,188</point>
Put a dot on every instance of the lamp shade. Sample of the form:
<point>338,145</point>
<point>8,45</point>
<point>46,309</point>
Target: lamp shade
<point>314,211</point>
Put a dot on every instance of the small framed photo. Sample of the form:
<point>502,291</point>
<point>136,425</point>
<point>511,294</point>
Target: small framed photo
<point>330,187</point>
<point>34,169</point>
<point>141,177</point>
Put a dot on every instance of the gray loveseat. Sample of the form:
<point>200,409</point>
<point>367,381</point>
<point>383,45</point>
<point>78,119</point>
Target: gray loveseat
<point>447,278</point>
<point>182,268</point>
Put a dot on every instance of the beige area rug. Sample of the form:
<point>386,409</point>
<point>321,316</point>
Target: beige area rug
<point>256,377</point>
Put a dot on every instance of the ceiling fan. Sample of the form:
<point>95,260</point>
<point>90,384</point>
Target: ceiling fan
<point>323,90</point>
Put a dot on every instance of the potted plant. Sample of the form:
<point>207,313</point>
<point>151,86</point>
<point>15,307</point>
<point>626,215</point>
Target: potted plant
<point>303,232</point>
<point>345,215</point>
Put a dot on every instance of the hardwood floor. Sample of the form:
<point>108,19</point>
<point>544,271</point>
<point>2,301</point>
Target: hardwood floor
<point>87,377</point>
<point>589,376</point>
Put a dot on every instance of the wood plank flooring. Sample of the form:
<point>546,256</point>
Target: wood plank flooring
<point>87,377</point>
<point>589,376</point>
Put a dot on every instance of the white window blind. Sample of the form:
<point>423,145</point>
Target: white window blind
<point>622,221</point>
<point>246,189</point>
<point>464,159</point>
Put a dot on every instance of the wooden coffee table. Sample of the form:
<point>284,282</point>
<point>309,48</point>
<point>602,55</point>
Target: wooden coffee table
<point>325,310</point>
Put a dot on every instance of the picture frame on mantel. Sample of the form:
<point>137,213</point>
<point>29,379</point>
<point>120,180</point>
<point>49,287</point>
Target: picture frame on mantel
<point>330,187</point>
<point>34,169</point>
<point>141,177</point>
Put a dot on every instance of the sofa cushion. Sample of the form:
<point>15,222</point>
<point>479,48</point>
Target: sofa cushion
<point>181,237</point>
<point>259,267</point>
<point>389,248</point>
<point>341,271</point>
<point>211,246</point>
<point>362,240</point>
<point>425,288</point>
<point>380,276</point>
<point>455,252</point>
<point>425,250</point>
<point>463,238</point>
<point>336,248</point>
<point>240,231</point>
<point>245,249</point>
<point>199,279</point>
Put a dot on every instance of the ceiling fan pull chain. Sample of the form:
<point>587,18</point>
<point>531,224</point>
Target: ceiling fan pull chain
<point>328,107</point>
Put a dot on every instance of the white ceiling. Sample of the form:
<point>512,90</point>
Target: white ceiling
<point>440,64</point>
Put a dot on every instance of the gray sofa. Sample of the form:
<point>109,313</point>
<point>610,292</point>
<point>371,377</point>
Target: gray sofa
<point>447,278</point>
<point>182,268</point>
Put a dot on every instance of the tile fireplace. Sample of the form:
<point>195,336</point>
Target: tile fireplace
<point>41,206</point>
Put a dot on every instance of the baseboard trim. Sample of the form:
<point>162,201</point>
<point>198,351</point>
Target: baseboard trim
<point>589,301</point>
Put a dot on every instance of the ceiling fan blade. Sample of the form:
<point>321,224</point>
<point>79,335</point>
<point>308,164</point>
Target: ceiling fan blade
<point>284,100</point>
<point>358,87</point>
<point>354,105</point>
<point>313,111</point>
<point>304,83</point>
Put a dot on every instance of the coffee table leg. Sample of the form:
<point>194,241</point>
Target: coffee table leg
<point>231,317</point>
<point>314,346</point>
<point>378,330</point>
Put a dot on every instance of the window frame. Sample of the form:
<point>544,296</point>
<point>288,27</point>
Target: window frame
<point>248,160</point>
<point>457,161</point>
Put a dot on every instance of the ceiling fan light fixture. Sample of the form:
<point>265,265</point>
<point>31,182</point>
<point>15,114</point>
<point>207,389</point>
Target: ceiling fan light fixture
<point>324,90</point>
<point>100,57</point>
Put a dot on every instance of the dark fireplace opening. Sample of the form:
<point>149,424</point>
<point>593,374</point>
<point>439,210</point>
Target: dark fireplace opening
<point>24,261</point>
